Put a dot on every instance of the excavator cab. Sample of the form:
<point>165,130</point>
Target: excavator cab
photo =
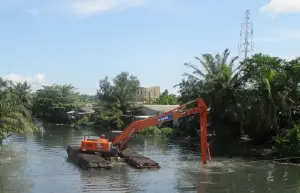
<point>98,145</point>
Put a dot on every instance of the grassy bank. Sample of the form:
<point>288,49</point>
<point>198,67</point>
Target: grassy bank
<point>156,131</point>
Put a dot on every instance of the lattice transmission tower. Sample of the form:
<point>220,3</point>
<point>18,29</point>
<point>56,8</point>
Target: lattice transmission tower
<point>246,46</point>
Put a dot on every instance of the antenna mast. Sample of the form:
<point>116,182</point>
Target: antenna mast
<point>246,34</point>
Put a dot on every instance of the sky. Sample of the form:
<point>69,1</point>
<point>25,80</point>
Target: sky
<point>78,42</point>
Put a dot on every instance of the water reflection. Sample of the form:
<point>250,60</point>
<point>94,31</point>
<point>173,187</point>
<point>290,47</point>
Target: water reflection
<point>11,174</point>
<point>234,175</point>
<point>105,180</point>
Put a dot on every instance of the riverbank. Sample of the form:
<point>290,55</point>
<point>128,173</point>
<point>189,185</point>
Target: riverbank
<point>242,149</point>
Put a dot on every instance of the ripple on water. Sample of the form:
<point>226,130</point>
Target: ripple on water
<point>103,181</point>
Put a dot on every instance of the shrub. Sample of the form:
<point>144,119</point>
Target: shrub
<point>83,120</point>
<point>156,131</point>
<point>289,145</point>
<point>167,131</point>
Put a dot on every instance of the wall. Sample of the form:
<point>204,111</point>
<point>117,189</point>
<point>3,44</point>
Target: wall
<point>153,109</point>
<point>148,94</point>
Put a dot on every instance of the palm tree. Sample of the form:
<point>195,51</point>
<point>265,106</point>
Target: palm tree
<point>212,64</point>
<point>15,116</point>
<point>22,93</point>
<point>221,83</point>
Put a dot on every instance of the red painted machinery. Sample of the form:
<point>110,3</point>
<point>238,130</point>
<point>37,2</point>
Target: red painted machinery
<point>107,147</point>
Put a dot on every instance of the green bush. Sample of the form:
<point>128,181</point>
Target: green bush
<point>167,131</point>
<point>109,118</point>
<point>83,121</point>
<point>289,145</point>
<point>156,131</point>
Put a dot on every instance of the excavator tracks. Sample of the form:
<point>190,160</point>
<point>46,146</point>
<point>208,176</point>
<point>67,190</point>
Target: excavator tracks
<point>87,161</point>
<point>138,161</point>
<point>93,161</point>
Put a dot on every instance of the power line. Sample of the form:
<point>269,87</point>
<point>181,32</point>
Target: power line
<point>246,34</point>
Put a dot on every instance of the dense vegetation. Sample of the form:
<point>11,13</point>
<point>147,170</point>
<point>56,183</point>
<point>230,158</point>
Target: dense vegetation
<point>257,98</point>
<point>15,108</point>
<point>117,101</point>
<point>52,102</point>
<point>166,99</point>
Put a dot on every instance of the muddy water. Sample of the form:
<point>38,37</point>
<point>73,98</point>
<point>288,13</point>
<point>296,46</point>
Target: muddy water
<point>41,166</point>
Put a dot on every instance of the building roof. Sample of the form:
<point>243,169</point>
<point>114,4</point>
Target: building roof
<point>161,108</point>
<point>85,110</point>
<point>154,109</point>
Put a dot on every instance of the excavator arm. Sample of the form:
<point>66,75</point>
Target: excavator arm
<point>173,114</point>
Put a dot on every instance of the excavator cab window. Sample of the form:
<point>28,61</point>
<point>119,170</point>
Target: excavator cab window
<point>91,138</point>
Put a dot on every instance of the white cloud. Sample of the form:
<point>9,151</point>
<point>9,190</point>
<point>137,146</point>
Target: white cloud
<point>36,79</point>
<point>281,35</point>
<point>39,78</point>
<point>281,6</point>
<point>88,7</point>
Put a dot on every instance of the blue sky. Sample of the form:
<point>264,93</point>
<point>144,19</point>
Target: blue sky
<point>80,41</point>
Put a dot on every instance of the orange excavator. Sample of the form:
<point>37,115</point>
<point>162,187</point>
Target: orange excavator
<point>108,147</point>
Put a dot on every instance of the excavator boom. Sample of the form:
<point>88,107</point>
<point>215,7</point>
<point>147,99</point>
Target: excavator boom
<point>173,114</point>
<point>107,147</point>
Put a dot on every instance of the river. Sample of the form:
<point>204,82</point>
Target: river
<point>41,167</point>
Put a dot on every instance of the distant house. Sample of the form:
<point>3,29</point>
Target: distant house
<point>153,110</point>
<point>148,94</point>
<point>77,114</point>
<point>88,109</point>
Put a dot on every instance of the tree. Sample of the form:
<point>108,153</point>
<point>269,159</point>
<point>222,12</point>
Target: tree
<point>266,81</point>
<point>15,108</point>
<point>53,102</point>
<point>218,85</point>
<point>166,99</point>
<point>118,97</point>
<point>291,87</point>
<point>190,89</point>
<point>258,97</point>
<point>88,98</point>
